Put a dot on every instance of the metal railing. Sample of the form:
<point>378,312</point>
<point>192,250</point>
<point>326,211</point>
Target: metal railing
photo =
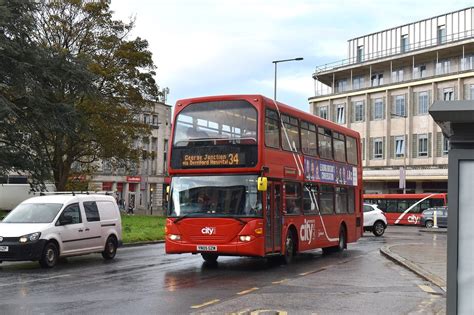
<point>432,42</point>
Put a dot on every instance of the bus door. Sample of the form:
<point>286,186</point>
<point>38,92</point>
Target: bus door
<point>273,218</point>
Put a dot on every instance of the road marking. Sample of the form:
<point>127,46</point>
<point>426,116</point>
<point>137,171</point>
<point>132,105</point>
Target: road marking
<point>313,271</point>
<point>280,282</point>
<point>205,304</point>
<point>247,291</point>
<point>257,312</point>
<point>34,280</point>
<point>426,288</point>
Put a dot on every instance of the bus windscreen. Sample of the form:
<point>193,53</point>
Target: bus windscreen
<point>214,135</point>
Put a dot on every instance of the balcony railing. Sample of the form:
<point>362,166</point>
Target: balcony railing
<point>397,50</point>
<point>408,74</point>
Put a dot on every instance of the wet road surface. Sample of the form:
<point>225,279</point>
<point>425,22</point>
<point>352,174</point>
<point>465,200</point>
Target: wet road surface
<point>143,280</point>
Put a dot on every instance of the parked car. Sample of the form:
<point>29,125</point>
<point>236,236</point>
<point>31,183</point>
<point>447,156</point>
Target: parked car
<point>374,219</point>
<point>427,217</point>
<point>47,227</point>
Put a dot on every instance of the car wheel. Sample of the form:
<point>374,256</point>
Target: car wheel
<point>110,249</point>
<point>378,228</point>
<point>49,257</point>
<point>209,257</point>
<point>289,248</point>
<point>429,224</point>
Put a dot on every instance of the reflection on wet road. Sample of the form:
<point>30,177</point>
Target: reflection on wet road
<point>143,280</point>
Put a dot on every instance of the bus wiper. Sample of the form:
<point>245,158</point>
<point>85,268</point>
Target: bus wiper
<point>189,215</point>
<point>238,219</point>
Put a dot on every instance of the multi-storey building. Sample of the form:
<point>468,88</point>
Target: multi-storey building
<point>384,90</point>
<point>143,185</point>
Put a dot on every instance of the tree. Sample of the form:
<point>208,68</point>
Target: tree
<point>71,87</point>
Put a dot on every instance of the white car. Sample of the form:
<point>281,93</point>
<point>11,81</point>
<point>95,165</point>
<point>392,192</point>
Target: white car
<point>374,219</point>
<point>47,227</point>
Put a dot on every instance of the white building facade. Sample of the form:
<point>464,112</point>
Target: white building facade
<point>143,186</point>
<point>384,90</point>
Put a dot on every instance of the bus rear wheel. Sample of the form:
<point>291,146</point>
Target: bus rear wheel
<point>289,249</point>
<point>340,245</point>
<point>209,257</point>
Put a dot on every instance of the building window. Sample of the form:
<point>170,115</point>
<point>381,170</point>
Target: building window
<point>404,45</point>
<point>445,145</point>
<point>399,146</point>
<point>467,63</point>
<point>341,85</point>
<point>448,94</point>
<point>423,103</point>
<point>441,34</point>
<point>359,112</point>
<point>400,106</point>
<point>378,109</point>
<point>397,75</point>
<point>423,145</point>
<point>362,144</point>
<point>443,67</point>
<point>146,119</point>
<point>469,92</point>
<point>360,53</point>
<point>378,148</point>
<point>358,82</point>
<point>323,112</point>
<point>377,79</point>
<point>341,118</point>
<point>419,72</point>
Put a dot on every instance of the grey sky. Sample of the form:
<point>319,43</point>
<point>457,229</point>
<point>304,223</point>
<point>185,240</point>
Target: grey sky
<point>212,47</point>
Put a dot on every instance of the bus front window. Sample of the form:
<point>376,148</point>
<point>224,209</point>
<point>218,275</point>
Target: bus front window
<point>215,196</point>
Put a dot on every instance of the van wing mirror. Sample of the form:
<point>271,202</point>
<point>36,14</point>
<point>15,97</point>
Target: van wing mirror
<point>262,183</point>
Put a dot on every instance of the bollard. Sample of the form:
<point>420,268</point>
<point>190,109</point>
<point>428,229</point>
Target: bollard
<point>435,219</point>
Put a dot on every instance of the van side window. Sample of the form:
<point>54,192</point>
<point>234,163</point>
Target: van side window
<point>74,212</point>
<point>92,212</point>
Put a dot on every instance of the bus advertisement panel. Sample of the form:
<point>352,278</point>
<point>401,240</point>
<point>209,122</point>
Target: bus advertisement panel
<point>253,177</point>
<point>406,209</point>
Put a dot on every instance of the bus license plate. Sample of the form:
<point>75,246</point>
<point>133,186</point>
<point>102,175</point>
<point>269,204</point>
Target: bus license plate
<point>207,248</point>
<point>3,248</point>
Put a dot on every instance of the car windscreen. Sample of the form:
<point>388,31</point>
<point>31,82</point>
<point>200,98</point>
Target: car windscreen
<point>33,213</point>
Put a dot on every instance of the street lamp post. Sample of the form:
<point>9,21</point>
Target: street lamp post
<point>276,62</point>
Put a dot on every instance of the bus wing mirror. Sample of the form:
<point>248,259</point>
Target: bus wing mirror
<point>262,184</point>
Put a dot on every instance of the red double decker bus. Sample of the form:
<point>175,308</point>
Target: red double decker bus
<point>406,209</point>
<point>253,177</point>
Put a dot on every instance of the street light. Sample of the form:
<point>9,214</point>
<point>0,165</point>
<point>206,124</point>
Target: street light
<point>276,62</point>
<point>403,179</point>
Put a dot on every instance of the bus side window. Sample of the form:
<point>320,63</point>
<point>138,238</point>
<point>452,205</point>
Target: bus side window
<point>391,206</point>
<point>272,129</point>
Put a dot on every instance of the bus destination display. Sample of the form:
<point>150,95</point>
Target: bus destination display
<point>210,160</point>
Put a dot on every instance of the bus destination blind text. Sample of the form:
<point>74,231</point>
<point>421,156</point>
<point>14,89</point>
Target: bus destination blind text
<point>204,160</point>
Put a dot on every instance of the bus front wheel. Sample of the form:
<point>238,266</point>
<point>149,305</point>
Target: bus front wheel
<point>209,257</point>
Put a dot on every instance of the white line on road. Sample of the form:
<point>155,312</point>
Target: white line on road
<point>34,280</point>
<point>205,304</point>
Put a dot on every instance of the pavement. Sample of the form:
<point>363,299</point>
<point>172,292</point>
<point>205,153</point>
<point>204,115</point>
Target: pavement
<point>428,259</point>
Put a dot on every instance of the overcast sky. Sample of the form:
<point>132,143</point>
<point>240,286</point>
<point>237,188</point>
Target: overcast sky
<point>213,47</point>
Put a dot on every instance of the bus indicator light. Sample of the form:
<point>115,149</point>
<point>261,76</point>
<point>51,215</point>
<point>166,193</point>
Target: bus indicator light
<point>258,231</point>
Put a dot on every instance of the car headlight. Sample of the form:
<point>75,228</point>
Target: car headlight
<point>30,237</point>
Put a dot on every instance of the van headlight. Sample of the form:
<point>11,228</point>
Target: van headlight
<point>33,237</point>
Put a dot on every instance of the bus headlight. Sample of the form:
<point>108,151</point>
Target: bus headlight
<point>30,237</point>
<point>245,238</point>
<point>175,237</point>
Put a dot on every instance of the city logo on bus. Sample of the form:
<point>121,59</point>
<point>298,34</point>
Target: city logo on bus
<point>413,219</point>
<point>208,230</point>
<point>308,231</point>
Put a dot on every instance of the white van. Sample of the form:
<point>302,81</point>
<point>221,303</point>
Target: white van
<point>47,227</point>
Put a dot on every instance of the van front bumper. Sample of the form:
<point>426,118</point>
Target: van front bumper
<point>21,251</point>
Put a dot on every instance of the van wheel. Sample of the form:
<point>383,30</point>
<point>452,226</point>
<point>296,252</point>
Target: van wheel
<point>209,257</point>
<point>429,224</point>
<point>49,257</point>
<point>110,248</point>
